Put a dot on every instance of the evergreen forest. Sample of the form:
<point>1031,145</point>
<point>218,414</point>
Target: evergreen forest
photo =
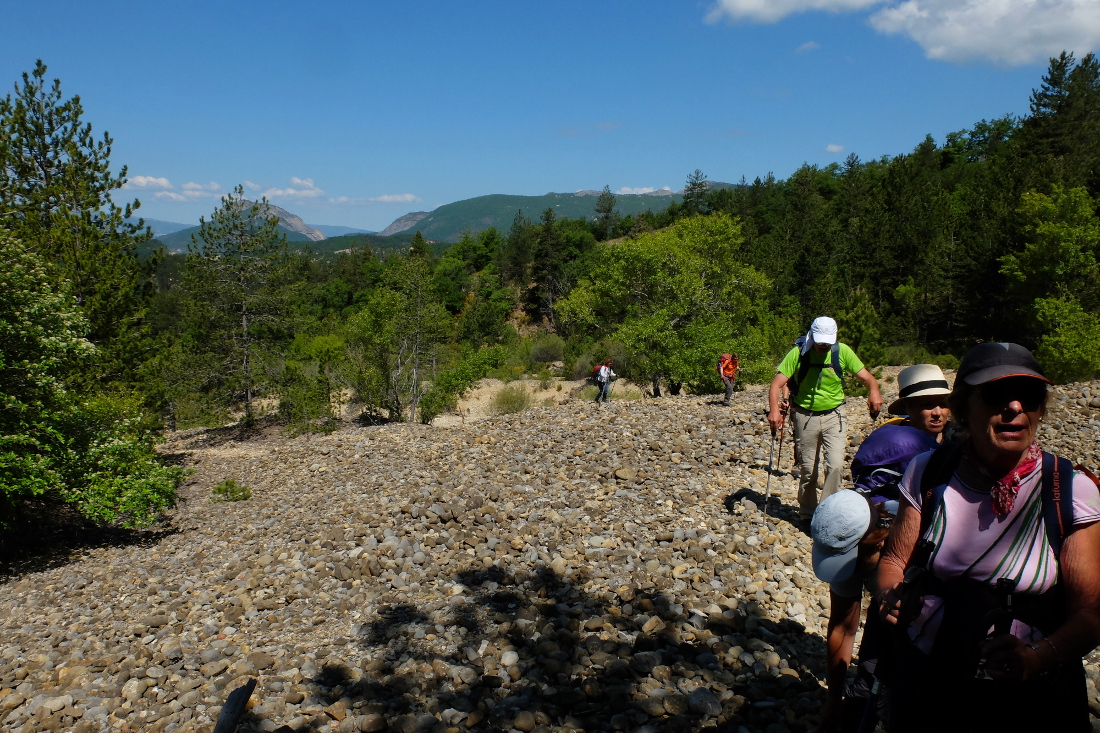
<point>991,233</point>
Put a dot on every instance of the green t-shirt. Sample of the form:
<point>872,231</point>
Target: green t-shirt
<point>821,389</point>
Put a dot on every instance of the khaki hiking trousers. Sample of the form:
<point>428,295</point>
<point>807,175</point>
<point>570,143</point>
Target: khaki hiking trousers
<point>819,439</point>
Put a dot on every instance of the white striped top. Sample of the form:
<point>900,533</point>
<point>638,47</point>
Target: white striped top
<point>973,542</point>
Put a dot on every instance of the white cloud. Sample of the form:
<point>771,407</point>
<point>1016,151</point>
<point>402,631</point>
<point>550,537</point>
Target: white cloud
<point>834,148</point>
<point>251,186</point>
<point>771,11</point>
<point>171,196</point>
<point>148,182</point>
<point>641,189</point>
<point>196,190</point>
<point>808,46</point>
<point>299,188</point>
<point>1012,32</point>
<point>397,198</point>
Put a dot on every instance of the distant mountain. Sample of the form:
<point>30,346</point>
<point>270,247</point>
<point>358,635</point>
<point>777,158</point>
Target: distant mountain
<point>332,230</point>
<point>408,221</point>
<point>291,225</point>
<point>291,222</point>
<point>160,227</point>
<point>448,222</point>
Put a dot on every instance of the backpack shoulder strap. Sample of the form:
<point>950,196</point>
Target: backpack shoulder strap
<point>804,367</point>
<point>937,472</point>
<point>1057,495</point>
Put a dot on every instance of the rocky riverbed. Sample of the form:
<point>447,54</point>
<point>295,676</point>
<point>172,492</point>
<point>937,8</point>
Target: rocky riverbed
<point>568,568</point>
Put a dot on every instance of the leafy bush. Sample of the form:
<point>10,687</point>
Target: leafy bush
<point>96,452</point>
<point>451,385</point>
<point>587,392</point>
<point>510,399</point>
<point>547,348</point>
<point>582,366</point>
<point>110,468</point>
<point>230,490</point>
<point>545,379</point>
<point>906,354</point>
<point>1068,351</point>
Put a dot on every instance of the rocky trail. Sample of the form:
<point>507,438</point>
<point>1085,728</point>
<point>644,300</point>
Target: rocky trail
<point>567,568</point>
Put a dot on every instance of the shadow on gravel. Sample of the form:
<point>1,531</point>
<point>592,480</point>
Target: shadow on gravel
<point>370,420</point>
<point>50,533</point>
<point>580,663</point>
<point>776,508</point>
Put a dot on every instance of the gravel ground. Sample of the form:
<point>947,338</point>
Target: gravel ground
<point>568,568</point>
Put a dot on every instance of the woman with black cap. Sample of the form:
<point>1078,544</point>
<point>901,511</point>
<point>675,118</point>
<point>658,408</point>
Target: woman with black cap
<point>990,569</point>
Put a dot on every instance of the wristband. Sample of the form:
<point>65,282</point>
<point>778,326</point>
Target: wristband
<point>1057,656</point>
<point>1034,646</point>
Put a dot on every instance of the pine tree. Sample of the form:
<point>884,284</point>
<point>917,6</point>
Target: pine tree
<point>231,280</point>
<point>418,247</point>
<point>607,217</point>
<point>55,196</point>
<point>695,194</point>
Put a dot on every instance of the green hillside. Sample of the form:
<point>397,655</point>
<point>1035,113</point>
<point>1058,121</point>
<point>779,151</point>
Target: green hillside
<point>448,222</point>
<point>178,241</point>
<point>178,245</point>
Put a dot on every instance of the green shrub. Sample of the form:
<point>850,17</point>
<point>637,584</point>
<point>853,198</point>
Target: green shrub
<point>547,348</point>
<point>1068,351</point>
<point>906,354</point>
<point>545,379</point>
<point>510,399</point>
<point>230,490</point>
<point>111,470</point>
<point>452,384</point>
<point>95,451</point>
<point>582,366</point>
<point>588,392</point>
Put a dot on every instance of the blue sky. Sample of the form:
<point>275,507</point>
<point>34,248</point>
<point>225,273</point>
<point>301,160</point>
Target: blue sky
<point>354,113</point>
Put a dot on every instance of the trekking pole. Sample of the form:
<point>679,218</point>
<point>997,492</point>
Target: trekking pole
<point>768,486</point>
<point>782,431</point>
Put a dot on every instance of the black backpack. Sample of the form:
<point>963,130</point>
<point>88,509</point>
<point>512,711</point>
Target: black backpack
<point>804,365</point>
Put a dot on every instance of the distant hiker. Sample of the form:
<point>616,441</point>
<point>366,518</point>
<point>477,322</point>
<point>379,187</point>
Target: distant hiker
<point>849,529</point>
<point>814,372</point>
<point>728,368</point>
<point>990,568</point>
<point>604,375</point>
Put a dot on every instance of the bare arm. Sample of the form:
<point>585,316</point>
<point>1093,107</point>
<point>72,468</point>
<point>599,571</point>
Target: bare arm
<point>895,558</point>
<point>775,418</point>
<point>874,397</point>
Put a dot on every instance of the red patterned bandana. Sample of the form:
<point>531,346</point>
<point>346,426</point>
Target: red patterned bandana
<point>1004,490</point>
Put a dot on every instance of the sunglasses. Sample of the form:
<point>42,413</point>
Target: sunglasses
<point>1029,392</point>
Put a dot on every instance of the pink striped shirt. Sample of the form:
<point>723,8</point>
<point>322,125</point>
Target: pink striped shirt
<point>972,542</point>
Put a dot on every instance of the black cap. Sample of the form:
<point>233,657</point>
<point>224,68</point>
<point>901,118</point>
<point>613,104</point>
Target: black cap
<point>996,360</point>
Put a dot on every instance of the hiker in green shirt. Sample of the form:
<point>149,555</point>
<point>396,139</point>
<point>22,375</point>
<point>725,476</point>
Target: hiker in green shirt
<point>813,371</point>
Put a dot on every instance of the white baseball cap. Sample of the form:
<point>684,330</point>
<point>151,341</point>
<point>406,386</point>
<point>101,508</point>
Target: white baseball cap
<point>823,330</point>
<point>839,523</point>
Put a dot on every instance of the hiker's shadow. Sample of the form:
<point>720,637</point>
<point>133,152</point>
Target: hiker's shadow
<point>752,501</point>
<point>534,650</point>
